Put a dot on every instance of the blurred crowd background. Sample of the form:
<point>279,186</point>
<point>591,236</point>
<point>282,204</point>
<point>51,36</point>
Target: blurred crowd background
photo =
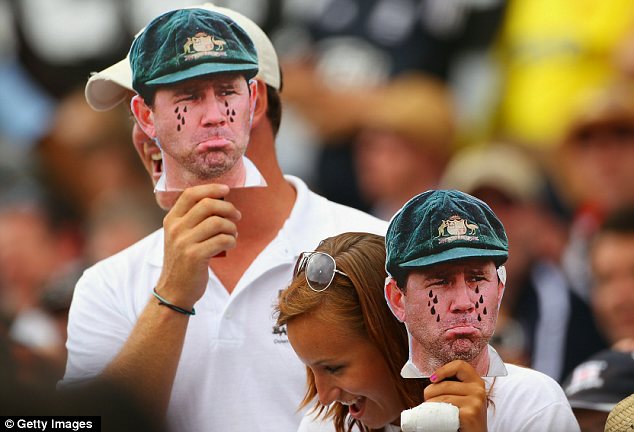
<point>528,104</point>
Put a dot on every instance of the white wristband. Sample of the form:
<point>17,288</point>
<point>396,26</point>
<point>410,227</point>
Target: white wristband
<point>431,416</point>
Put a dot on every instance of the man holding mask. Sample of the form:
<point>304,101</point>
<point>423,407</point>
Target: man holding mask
<point>211,368</point>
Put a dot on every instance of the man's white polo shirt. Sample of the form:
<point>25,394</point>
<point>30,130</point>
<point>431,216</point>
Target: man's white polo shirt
<point>237,371</point>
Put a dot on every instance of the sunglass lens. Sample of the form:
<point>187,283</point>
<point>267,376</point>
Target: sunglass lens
<point>320,271</point>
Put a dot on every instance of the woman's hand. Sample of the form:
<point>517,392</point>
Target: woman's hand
<point>459,384</point>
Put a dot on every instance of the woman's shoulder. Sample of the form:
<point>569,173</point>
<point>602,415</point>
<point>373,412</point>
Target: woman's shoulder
<point>312,423</point>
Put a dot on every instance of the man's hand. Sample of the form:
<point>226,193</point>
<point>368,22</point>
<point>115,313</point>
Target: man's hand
<point>198,227</point>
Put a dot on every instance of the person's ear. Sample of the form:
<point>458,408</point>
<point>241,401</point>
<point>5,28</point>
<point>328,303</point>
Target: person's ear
<point>259,99</point>
<point>143,115</point>
<point>394,297</point>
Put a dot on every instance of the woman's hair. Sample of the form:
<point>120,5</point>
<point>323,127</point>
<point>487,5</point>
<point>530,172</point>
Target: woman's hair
<point>356,302</point>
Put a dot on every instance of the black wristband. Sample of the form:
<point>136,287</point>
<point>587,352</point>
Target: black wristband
<point>163,302</point>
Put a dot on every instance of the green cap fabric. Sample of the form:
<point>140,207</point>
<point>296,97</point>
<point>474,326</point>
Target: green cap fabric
<point>442,225</point>
<point>188,43</point>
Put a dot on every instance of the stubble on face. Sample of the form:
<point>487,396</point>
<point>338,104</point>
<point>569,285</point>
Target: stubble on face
<point>431,346</point>
<point>442,331</point>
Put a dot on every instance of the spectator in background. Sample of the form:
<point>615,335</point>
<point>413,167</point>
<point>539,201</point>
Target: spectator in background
<point>595,174</point>
<point>549,52</point>
<point>117,222</point>
<point>405,140</point>
<point>543,323</point>
<point>54,223</point>
<point>597,385</point>
<point>114,224</point>
<point>39,242</point>
<point>53,227</point>
<point>88,155</point>
<point>44,55</point>
<point>612,264</point>
<point>624,56</point>
<point>118,410</point>
<point>348,48</point>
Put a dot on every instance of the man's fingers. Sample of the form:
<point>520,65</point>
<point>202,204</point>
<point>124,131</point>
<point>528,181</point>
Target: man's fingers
<point>211,227</point>
<point>198,213</point>
<point>208,207</point>
<point>190,196</point>
<point>207,229</point>
<point>205,250</point>
<point>219,243</point>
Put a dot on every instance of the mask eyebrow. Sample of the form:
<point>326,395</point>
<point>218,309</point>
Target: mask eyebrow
<point>476,270</point>
<point>184,89</point>
<point>232,86</point>
<point>437,274</point>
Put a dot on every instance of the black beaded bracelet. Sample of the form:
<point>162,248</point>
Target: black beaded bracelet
<point>163,302</point>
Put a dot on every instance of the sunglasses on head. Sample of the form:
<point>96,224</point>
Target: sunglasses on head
<point>319,269</point>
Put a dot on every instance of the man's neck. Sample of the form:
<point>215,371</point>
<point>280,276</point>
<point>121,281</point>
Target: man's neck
<point>264,211</point>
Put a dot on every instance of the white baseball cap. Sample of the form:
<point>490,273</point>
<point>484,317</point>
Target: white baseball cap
<point>504,167</point>
<point>107,88</point>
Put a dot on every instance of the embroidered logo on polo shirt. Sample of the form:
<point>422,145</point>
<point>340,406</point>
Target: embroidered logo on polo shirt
<point>280,335</point>
<point>280,331</point>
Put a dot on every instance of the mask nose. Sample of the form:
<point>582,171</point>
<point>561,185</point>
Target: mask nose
<point>463,300</point>
<point>214,112</point>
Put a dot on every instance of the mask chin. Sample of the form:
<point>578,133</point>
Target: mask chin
<point>161,184</point>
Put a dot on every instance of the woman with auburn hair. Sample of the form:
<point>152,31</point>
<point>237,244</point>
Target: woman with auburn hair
<point>340,326</point>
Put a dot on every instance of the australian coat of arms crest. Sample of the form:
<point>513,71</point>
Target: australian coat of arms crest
<point>457,228</point>
<point>202,44</point>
